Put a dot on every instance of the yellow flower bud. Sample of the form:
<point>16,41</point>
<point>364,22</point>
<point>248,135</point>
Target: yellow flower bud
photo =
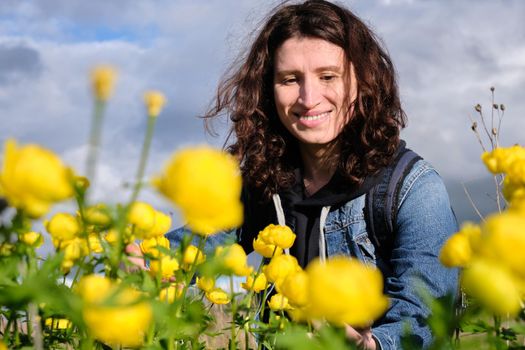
<point>345,291</point>
<point>33,239</point>
<point>102,80</point>
<point>62,227</point>
<point>218,296</point>
<point>280,267</point>
<point>234,258</point>
<point>154,101</point>
<point>33,178</point>
<point>456,251</point>
<point>142,215</point>
<point>165,266</point>
<point>265,249</point>
<point>279,302</point>
<point>295,288</point>
<point>192,256</point>
<point>205,283</point>
<point>206,185</point>
<point>281,236</point>
<point>150,246</point>
<point>161,226</point>
<point>58,323</point>
<point>97,215</point>
<point>493,286</point>
<point>256,285</point>
<point>114,315</point>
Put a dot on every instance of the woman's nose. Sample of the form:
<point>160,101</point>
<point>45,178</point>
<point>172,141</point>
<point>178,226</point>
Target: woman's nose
<point>309,94</point>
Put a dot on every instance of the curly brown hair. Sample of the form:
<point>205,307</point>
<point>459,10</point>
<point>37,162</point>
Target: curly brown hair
<point>267,151</point>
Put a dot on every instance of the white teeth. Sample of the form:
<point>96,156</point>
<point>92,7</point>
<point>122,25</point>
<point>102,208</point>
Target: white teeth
<point>314,117</point>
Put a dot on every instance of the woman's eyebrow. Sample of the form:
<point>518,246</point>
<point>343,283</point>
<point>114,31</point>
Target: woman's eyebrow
<point>332,68</point>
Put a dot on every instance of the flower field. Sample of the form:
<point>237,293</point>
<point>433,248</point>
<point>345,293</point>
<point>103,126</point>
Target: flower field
<point>114,280</point>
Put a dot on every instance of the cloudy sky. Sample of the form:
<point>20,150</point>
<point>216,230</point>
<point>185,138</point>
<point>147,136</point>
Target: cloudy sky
<point>447,53</point>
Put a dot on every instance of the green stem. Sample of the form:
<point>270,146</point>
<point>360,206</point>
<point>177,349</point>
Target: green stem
<point>143,158</point>
<point>234,312</point>
<point>94,139</point>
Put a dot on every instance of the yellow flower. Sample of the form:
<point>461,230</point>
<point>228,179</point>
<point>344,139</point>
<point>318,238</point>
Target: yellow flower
<point>218,296</point>
<point>154,101</point>
<point>265,249</point>
<point>102,80</point>
<point>166,266</point>
<point>114,315</point>
<point>74,249</point>
<point>234,258</point>
<point>3,346</point>
<point>95,246</point>
<point>62,227</point>
<point>171,293</point>
<point>58,323</point>
<point>32,178</point>
<point>345,291</point>
<point>206,185</point>
<point>298,314</point>
<point>457,250</point>
<point>493,286</point>
<point>150,246</point>
<point>295,288</point>
<point>142,215</point>
<point>205,283</point>
<point>192,256</point>
<point>256,285</point>
<point>161,226</point>
<point>504,241</point>
<point>112,235</point>
<point>279,302</point>
<point>33,239</point>
<point>280,267</point>
<point>97,215</point>
<point>281,236</point>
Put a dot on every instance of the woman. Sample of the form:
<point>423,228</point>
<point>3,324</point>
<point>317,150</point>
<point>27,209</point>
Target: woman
<point>316,118</point>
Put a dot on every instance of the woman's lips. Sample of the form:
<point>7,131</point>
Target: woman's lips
<point>311,120</point>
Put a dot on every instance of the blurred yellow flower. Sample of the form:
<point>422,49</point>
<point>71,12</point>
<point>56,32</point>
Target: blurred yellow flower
<point>150,246</point>
<point>234,259</point>
<point>74,249</point>
<point>493,286</point>
<point>458,249</point>
<point>161,226</point>
<point>279,302</point>
<point>504,241</point>
<point>113,314</point>
<point>102,80</point>
<point>97,215</point>
<point>501,159</point>
<point>280,267</point>
<point>111,235</point>
<point>281,236</point>
<point>154,101</point>
<point>192,256</point>
<point>205,283</point>
<point>345,291</point>
<point>62,227</point>
<point>33,178</point>
<point>297,314</point>
<point>142,215</point>
<point>218,296</point>
<point>165,266</point>
<point>256,285</point>
<point>58,323</point>
<point>205,184</point>
<point>94,244</point>
<point>295,288</point>
<point>3,346</point>
<point>265,249</point>
<point>171,293</point>
<point>31,238</point>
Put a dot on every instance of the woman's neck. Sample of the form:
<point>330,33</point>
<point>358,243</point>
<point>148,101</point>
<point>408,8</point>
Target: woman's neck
<point>319,165</point>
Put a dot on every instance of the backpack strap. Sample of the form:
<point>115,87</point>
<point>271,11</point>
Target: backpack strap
<point>381,203</point>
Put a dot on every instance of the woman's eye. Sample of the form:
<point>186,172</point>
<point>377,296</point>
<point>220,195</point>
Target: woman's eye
<point>327,77</point>
<point>289,81</point>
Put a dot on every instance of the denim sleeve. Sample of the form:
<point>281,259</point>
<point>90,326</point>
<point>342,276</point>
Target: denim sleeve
<point>425,220</point>
<point>175,237</point>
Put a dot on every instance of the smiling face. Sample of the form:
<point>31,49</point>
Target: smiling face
<point>310,90</point>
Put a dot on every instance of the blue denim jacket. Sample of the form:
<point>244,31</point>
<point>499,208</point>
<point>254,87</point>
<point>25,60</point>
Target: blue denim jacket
<point>424,222</point>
